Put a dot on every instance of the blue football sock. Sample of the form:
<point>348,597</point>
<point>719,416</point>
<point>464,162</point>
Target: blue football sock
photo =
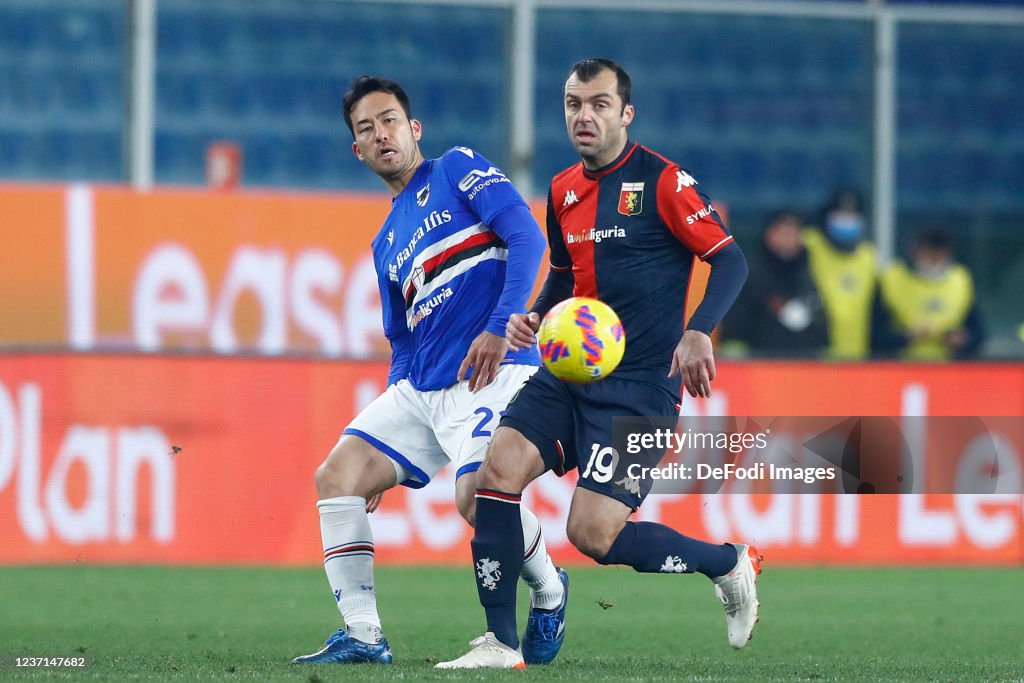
<point>655,548</point>
<point>498,560</point>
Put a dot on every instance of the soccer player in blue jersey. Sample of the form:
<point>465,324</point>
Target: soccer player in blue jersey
<point>652,222</point>
<point>456,257</point>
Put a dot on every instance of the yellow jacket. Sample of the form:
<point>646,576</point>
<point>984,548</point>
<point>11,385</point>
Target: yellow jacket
<point>846,282</point>
<point>935,306</point>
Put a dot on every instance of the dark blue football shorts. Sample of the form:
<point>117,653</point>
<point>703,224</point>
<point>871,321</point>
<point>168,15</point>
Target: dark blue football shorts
<point>571,426</point>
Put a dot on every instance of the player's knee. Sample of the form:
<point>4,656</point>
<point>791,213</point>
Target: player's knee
<point>512,462</point>
<point>349,470</point>
<point>501,473</point>
<point>590,537</point>
<point>466,503</point>
<point>326,480</point>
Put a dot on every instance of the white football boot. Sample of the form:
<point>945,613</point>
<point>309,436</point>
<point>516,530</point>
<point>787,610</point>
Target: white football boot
<point>738,592</point>
<point>486,652</point>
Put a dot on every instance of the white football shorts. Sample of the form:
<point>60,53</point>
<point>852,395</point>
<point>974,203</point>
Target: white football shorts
<point>422,431</point>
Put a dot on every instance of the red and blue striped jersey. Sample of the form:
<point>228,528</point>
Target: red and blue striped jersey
<point>629,232</point>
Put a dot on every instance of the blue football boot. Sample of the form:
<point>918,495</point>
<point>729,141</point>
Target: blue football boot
<point>545,629</point>
<point>343,649</point>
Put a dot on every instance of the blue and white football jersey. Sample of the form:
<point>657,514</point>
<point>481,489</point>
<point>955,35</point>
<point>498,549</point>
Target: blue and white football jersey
<point>441,267</point>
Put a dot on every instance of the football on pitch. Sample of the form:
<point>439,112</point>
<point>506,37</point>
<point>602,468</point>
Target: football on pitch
<point>581,340</point>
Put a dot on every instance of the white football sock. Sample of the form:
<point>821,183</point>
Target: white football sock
<point>538,570</point>
<point>348,561</point>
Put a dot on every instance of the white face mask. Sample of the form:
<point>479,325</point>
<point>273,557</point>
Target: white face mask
<point>931,271</point>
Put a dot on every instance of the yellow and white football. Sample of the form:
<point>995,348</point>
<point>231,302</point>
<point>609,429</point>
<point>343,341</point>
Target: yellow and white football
<point>581,340</point>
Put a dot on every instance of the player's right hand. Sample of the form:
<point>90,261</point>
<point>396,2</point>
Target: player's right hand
<point>521,330</point>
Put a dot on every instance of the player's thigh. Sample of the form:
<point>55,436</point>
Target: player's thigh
<point>465,422</point>
<point>354,467</point>
<point>397,423</point>
<point>512,462</point>
<point>537,422</point>
<point>603,469</point>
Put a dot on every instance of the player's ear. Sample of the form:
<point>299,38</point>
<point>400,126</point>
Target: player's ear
<point>417,129</point>
<point>355,150</point>
<point>627,114</point>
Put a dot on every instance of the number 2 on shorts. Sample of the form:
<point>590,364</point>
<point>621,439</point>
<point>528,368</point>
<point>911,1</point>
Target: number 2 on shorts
<point>487,414</point>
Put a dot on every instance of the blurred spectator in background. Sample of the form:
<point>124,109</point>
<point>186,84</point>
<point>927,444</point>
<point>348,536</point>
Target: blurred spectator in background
<point>844,267</point>
<point>779,312</point>
<point>928,310</point>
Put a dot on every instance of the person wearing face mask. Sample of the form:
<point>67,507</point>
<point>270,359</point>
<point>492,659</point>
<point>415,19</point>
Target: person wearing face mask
<point>930,303</point>
<point>844,267</point>
<point>779,313</point>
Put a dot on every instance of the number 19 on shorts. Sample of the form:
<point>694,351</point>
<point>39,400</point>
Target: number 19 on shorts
<point>602,464</point>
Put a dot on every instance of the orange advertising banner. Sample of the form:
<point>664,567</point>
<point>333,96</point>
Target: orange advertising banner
<point>107,268</point>
<point>201,459</point>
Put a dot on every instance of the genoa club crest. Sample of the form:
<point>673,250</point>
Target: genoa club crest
<point>631,199</point>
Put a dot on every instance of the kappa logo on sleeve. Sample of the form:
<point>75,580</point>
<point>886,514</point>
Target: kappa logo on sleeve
<point>684,179</point>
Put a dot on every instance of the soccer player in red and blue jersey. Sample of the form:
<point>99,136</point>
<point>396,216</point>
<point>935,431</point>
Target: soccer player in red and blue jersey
<point>456,257</point>
<point>623,227</point>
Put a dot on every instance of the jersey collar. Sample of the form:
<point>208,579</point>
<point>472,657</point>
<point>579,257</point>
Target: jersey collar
<point>423,169</point>
<point>619,161</point>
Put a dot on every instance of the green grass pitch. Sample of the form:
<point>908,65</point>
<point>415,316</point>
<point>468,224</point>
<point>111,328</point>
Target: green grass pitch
<point>167,623</point>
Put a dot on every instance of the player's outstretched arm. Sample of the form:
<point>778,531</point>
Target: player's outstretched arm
<point>521,330</point>
<point>694,359</point>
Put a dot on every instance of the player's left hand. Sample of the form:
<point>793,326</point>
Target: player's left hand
<point>485,356</point>
<point>373,502</point>
<point>694,359</point>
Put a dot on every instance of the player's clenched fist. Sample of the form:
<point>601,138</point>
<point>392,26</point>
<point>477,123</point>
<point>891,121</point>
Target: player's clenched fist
<point>521,330</point>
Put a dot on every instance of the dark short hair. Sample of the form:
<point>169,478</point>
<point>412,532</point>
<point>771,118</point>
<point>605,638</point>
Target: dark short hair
<point>363,86</point>
<point>780,215</point>
<point>933,236</point>
<point>586,69</point>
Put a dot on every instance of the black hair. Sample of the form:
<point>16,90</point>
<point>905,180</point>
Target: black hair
<point>845,198</point>
<point>933,237</point>
<point>363,86</point>
<point>586,69</point>
<point>779,215</point>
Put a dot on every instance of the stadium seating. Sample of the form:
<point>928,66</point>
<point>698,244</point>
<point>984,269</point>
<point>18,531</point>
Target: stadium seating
<point>767,110</point>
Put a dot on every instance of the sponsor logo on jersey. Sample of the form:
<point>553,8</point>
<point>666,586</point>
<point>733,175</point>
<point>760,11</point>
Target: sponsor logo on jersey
<point>423,195</point>
<point>698,215</point>
<point>631,199</point>
<point>435,266</point>
<point>393,272</point>
<point>570,198</point>
<point>595,235</point>
<point>391,237</point>
<point>466,150</point>
<point>471,183</point>
<point>684,179</point>
<point>427,307</point>
<point>433,220</point>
